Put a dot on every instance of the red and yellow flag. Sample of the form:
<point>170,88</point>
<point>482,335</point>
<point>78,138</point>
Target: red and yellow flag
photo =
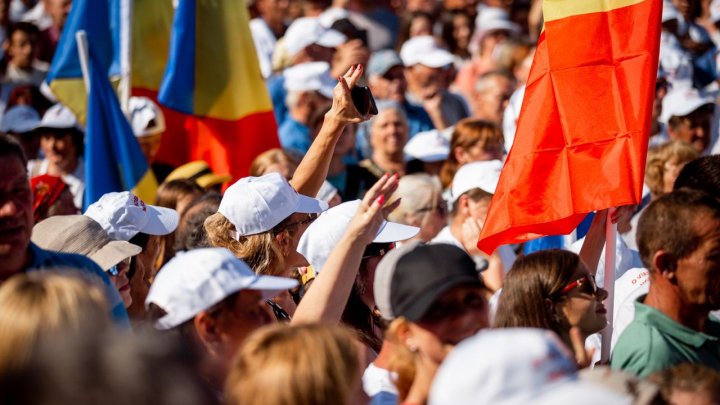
<point>584,124</point>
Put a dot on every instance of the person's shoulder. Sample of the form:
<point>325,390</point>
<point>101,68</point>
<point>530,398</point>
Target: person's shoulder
<point>641,349</point>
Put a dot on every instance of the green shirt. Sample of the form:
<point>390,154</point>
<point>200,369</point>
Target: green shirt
<point>654,342</point>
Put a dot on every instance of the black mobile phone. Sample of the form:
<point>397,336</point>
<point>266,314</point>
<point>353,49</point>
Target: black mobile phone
<point>363,100</point>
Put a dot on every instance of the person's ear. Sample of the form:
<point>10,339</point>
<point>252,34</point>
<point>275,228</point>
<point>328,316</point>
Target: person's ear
<point>464,205</point>
<point>206,328</point>
<point>283,241</point>
<point>665,264</point>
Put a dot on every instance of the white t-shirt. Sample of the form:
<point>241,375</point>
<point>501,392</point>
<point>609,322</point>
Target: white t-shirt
<point>507,256</point>
<point>376,380</point>
<point>264,44</point>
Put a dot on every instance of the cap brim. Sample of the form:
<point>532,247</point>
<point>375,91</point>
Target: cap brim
<point>685,108</point>
<point>307,205</point>
<point>423,303</point>
<point>161,221</point>
<point>113,253</point>
<point>326,92</point>
<point>500,25</point>
<point>212,179</point>
<point>271,285</point>
<point>331,39</point>
<point>436,59</point>
<point>22,129</point>
<point>394,232</point>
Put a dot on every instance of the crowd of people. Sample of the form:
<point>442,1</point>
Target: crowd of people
<point>344,269</point>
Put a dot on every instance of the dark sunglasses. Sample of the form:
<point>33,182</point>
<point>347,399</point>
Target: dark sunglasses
<point>585,284</point>
<point>308,220</point>
<point>377,250</point>
<point>440,208</point>
<point>280,314</point>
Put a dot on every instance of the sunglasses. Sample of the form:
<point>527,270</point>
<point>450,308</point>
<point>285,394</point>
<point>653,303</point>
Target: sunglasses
<point>585,284</point>
<point>115,270</point>
<point>308,220</point>
<point>280,314</point>
<point>377,250</point>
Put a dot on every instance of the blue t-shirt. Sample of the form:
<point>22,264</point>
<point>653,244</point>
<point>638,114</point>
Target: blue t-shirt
<point>294,136</point>
<point>276,88</point>
<point>42,259</point>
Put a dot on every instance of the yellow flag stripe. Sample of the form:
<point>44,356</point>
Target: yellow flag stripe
<point>147,187</point>
<point>559,9</point>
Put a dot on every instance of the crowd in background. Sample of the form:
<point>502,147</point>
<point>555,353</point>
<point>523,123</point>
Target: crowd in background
<point>344,269</point>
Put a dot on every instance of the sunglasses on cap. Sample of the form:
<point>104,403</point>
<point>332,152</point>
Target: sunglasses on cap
<point>585,284</point>
<point>377,250</point>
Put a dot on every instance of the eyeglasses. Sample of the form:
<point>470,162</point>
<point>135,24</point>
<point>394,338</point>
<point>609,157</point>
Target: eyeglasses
<point>280,314</point>
<point>586,284</point>
<point>115,270</point>
<point>377,250</point>
<point>310,218</point>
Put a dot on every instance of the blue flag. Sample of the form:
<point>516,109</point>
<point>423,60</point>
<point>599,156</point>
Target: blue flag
<point>113,158</point>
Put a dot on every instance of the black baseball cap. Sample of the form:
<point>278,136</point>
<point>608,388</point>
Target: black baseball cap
<point>409,279</point>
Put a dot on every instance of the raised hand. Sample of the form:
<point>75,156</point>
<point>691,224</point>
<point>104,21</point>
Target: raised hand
<point>343,109</point>
<point>372,211</point>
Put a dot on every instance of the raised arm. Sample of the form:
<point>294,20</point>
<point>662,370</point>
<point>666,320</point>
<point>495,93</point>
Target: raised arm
<point>325,301</point>
<point>313,168</point>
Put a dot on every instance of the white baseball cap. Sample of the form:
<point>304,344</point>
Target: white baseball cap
<point>683,101</point>
<point>196,280</point>
<point>491,19</point>
<point>327,192</point>
<point>428,146</point>
<point>146,117</point>
<point>257,204</point>
<point>425,50</point>
<point>20,119</point>
<point>306,31</point>
<point>58,117</point>
<point>483,175</point>
<point>124,215</point>
<point>322,235</point>
<point>519,366</point>
<point>311,76</point>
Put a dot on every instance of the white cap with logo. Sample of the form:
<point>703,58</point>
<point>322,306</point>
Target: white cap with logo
<point>198,279</point>
<point>124,215</point>
<point>257,204</point>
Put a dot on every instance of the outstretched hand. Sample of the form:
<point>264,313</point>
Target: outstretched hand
<point>343,108</point>
<point>583,357</point>
<point>372,212</point>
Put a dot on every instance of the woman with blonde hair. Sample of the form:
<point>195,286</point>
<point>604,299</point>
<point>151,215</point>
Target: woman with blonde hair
<point>274,160</point>
<point>664,164</point>
<point>472,141</point>
<point>39,304</point>
<point>296,365</point>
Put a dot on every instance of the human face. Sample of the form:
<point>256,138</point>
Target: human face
<point>390,86</point>
<point>288,237</point>
<point>58,11</point>
<point>424,80</point>
<point>120,281</point>
<point>479,152</point>
<point>419,26</point>
<point>389,133</point>
<point>144,273</point>
<point>479,209</point>
<point>671,170</point>
<point>431,218</point>
<point>273,11</point>
<point>236,322</point>
<point>492,101</point>
<point>149,146</point>
<point>59,149</point>
<point>21,50</point>
<point>461,30</point>
<point>582,305</point>
<point>694,129</point>
<point>16,214</point>
<point>456,315</point>
<point>698,274</point>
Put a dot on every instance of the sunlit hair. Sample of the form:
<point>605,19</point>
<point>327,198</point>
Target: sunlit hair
<point>417,191</point>
<point>690,378</point>
<point>532,288</point>
<point>263,161</point>
<point>40,304</point>
<point>295,365</point>
<point>170,192</point>
<point>402,360</point>
<point>259,251</point>
<point>676,152</point>
<point>467,134</point>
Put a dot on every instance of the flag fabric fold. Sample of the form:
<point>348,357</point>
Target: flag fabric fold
<point>213,76</point>
<point>100,19</point>
<point>583,130</point>
<point>113,158</point>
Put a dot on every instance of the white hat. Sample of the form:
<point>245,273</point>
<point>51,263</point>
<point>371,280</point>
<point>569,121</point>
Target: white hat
<point>669,11</point>
<point>327,192</point>
<point>322,235</point>
<point>483,175</point>
<point>20,119</point>
<point>257,204</point>
<point>311,76</point>
<point>124,215</point>
<point>328,17</point>
<point>58,117</point>
<point>306,31</point>
<point>428,146</point>
<point>146,117</point>
<point>425,50</point>
<point>519,366</point>
<point>491,19</point>
<point>683,101</point>
<point>198,279</point>
<point>714,11</point>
